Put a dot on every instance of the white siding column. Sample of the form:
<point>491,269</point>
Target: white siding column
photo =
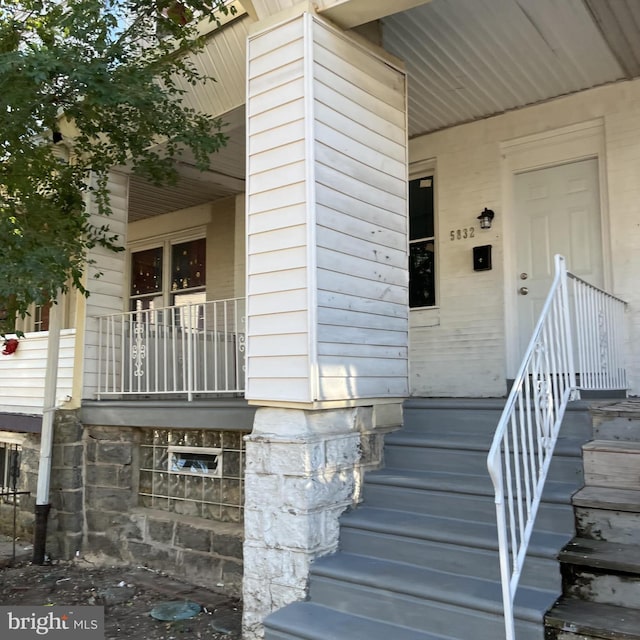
<point>327,317</point>
<point>106,292</point>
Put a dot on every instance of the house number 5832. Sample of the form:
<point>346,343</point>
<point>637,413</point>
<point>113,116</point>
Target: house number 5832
<point>462,234</point>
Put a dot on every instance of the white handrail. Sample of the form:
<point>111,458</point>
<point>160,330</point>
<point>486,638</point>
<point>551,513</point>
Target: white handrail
<point>181,350</point>
<point>547,380</point>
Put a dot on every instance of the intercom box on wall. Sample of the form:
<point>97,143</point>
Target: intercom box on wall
<point>482,258</point>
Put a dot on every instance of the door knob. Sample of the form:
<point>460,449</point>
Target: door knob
<point>523,291</point>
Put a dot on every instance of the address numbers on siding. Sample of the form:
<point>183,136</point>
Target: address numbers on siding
<point>462,234</point>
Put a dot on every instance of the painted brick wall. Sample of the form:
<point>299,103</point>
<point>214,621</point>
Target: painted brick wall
<point>458,349</point>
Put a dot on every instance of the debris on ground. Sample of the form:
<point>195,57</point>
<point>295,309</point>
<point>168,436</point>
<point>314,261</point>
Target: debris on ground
<point>129,596</point>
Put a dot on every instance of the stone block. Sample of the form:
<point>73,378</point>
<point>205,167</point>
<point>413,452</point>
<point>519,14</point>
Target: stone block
<point>71,501</point>
<point>227,545</point>
<point>114,452</point>
<point>102,475</point>
<point>342,452</point>
<point>68,545</point>
<point>152,556</point>
<point>112,434</point>
<point>295,530</point>
<point>253,524</point>
<point>108,498</point>
<point>232,573</point>
<point>70,523</point>
<point>57,453</point>
<point>102,544</point>
<point>67,427</point>
<point>72,455</point>
<point>320,491</point>
<point>192,537</point>
<point>91,449</point>
<point>259,488</point>
<point>294,458</point>
<point>66,478</point>
<point>103,521</point>
<point>160,530</point>
<point>371,447</point>
<point>200,568</point>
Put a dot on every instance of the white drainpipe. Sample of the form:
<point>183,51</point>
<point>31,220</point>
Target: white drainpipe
<point>46,437</point>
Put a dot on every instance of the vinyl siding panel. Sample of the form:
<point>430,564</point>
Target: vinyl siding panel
<point>22,375</point>
<point>107,291</point>
<point>277,269</point>
<point>326,218</point>
<point>360,155</point>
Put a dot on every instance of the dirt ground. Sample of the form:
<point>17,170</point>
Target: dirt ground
<point>128,595</point>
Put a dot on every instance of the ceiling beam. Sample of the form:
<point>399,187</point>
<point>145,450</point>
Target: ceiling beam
<point>352,13</point>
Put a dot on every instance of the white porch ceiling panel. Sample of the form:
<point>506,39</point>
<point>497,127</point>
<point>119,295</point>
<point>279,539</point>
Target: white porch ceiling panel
<point>619,22</point>
<point>468,59</point>
<point>465,59</point>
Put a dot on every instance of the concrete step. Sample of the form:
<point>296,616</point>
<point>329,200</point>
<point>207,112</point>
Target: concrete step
<point>460,482</point>
<point>415,453</point>
<point>481,415</point>
<point>454,545</point>
<point>599,571</point>
<point>579,620</point>
<point>418,559</point>
<point>312,621</point>
<point>614,464</point>
<point>552,516</point>
<point>437,602</point>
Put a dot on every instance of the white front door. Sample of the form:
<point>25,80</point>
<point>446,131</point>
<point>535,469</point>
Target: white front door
<point>557,210</point>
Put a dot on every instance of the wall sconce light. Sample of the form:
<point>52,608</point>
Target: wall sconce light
<point>485,218</point>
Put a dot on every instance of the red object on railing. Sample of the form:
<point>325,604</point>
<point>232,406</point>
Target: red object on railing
<point>10,346</point>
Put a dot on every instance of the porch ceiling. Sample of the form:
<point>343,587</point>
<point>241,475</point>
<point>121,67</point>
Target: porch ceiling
<point>466,60</point>
<point>225,178</point>
<point>469,59</point>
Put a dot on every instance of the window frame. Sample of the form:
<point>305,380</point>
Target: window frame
<point>166,242</point>
<point>418,171</point>
<point>173,449</point>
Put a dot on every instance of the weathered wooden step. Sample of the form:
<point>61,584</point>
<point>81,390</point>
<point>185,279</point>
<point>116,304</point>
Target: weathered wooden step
<point>610,463</point>
<point>608,498</point>
<point>605,513</point>
<point>600,571</point>
<point>602,555</point>
<point>579,620</point>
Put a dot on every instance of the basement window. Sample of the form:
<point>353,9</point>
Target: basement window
<point>193,472</point>
<point>197,461</point>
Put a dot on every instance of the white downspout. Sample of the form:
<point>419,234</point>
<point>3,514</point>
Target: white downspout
<point>46,438</point>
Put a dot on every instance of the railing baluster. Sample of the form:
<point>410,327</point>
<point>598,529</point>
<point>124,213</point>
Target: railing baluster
<point>172,350</point>
<point>522,448</point>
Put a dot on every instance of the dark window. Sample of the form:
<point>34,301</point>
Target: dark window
<point>146,276</point>
<point>185,262</point>
<point>422,290</point>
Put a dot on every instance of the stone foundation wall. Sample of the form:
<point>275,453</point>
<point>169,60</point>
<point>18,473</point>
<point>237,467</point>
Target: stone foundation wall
<point>66,522</point>
<point>95,510</point>
<point>204,552</point>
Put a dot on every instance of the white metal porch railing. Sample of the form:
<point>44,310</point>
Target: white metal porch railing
<point>579,325</point>
<point>181,350</point>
